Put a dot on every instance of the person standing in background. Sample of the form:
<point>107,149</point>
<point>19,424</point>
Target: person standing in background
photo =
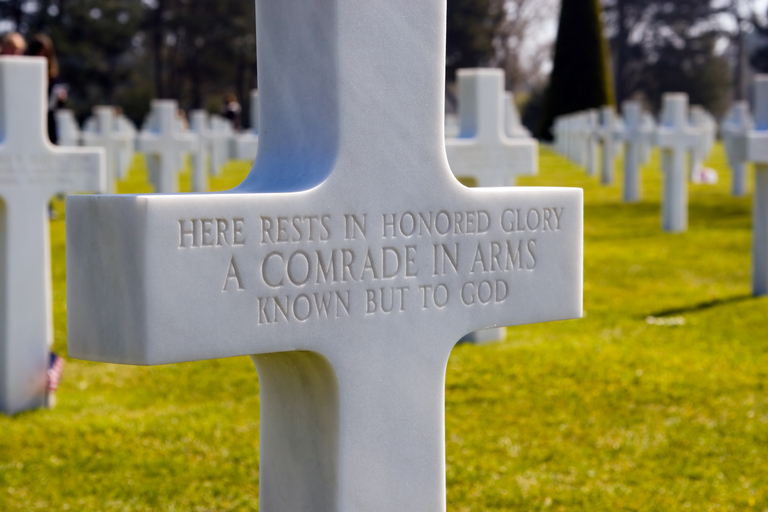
<point>12,44</point>
<point>231,110</point>
<point>42,46</point>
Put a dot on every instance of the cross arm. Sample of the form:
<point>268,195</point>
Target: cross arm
<point>155,279</point>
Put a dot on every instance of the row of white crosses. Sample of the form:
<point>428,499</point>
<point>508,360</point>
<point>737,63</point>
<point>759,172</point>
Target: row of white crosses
<point>31,171</point>
<point>347,264</point>
<point>166,140</point>
<point>582,135</point>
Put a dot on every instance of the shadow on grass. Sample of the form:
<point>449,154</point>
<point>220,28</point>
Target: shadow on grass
<point>701,306</point>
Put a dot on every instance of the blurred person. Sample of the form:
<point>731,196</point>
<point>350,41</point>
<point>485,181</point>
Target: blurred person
<point>42,46</point>
<point>12,44</point>
<point>231,110</point>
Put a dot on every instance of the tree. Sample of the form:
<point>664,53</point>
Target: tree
<point>580,76</point>
<point>521,52</point>
<point>660,46</point>
<point>473,31</point>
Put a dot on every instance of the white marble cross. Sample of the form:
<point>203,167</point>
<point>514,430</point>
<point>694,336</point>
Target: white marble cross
<point>483,150</point>
<point>706,128</point>
<point>590,125</point>
<point>649,126</point>
<point>347,263</point>
<point>634,135</point>
<point>247,144</point>
<point>736,128</point>
<point>512,125</point>
<point>198,124</point>
<point>125,126</point>
<point>67,131</point>
<point>166,143</point>
<point>114,142</point>
<point>757,152</point>
<point>606,133</point>
<point>676,139</point>
<point>31,171</point>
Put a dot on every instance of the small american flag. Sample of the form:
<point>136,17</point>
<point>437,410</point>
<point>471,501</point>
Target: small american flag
<point>55,369</point>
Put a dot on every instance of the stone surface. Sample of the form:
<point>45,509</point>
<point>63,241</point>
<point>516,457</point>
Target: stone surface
<point>676,139</point>
<point>736,127</point>
<point>165,142</point>
<point>757,152</point>
<point>104,133</point>
<point>31,171</point>
<point>483,150</point>
<point>332,264</point>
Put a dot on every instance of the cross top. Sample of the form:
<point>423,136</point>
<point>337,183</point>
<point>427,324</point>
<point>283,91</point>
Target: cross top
<point>347,264</point>
<point>483,149</point>
<point>633,117</point>
<point>673,131</point>
<point>480,114</point>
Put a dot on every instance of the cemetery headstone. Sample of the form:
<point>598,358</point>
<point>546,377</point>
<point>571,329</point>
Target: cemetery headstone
<point>347,264</point>
<point>757,152</point>
<point>198,124</point>
<point>736,128</point>
<point>634,135</point>
<point>67,131</point>
<point>606,132</point>
<point>649,126</point>
<point>165,142</point>
<point>706,129</point>
<point>483,149</point>
<point>591,125</point>
<point>512,124</point>
<point>31,171</point>
<point>676,139</point>
<point>222,137</point>
<point>103,133</point>
<point>125,126</point>
<point>247,144</point>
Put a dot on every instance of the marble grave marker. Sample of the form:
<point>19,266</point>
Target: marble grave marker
<point>247,144</point>
<point>757,152</point>
<point>606,133</point>
<point>736,129</point>
<point>676,139</point>
<point>483,150</point>
<point>347,263</point>
<point>634,135</point>
<point>67,130</point>
<point>165,142</point>
<point>105,134</point>
<point>31,171</point>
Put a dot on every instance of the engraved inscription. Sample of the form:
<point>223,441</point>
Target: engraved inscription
<point>307,266</point>
<point>63,172</point>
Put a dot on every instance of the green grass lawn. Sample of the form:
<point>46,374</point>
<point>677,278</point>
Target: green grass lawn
<point>654,401</point>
